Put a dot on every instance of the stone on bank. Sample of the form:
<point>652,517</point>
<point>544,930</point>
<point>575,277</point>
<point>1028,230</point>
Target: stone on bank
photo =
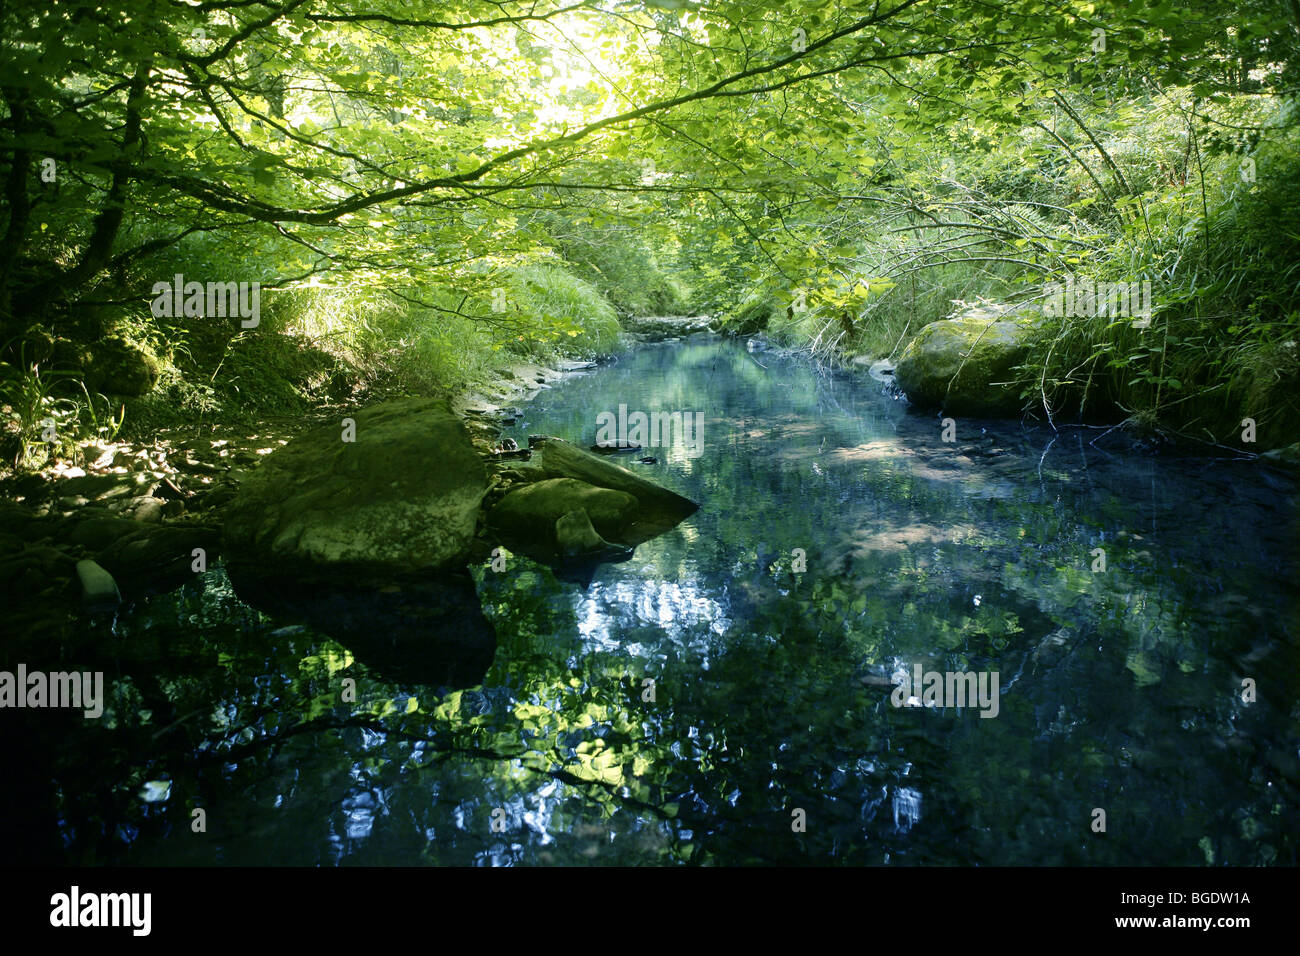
<point>398,501</point>
<point>963,365</point>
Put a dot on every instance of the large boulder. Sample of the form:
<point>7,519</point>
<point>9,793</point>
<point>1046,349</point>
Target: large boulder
<point>117,366</point>
<point>961,365</point>
<point>399,501</point>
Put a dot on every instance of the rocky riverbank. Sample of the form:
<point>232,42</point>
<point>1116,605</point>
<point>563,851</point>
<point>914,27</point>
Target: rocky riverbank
<point>966,367</point>
<point>127,519</point>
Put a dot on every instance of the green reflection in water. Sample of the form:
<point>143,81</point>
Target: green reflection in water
<point>771,686</point>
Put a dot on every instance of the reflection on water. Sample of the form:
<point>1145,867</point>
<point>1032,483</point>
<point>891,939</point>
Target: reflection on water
<point>685,704</point>
<point>413,632</point>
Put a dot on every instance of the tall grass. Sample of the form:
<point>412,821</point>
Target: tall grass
<point>568,315</point>
<point>45,413</point>
<point>352,344</point>
<point>862,315</point>
<point>618,262</point>
<point>1222,254</point>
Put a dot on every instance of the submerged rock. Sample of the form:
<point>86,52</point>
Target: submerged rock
<point>575,537</point>
<point>618,448</point>
<point>399,501</point>
<point>961,365</point>
<point>1286,458</point>
<point>882,371</point>
<point>533,510</point>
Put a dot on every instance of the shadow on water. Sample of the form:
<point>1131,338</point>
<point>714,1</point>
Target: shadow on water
<point>424,632</point>
<point>734,676</point>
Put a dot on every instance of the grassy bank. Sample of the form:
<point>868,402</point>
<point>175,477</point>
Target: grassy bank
<point>1198,198</point>
<point>313,349</point>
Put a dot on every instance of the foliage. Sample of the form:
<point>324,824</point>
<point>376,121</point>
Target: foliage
<point>49,412</point>
<point>873,162</point>
<point>568,312</point>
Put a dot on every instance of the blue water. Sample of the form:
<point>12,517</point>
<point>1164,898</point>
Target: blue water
<point>725,695</point>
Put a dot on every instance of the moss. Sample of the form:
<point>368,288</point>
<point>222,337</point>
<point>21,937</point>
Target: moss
<point>121,367</point>
<point>963,365</point>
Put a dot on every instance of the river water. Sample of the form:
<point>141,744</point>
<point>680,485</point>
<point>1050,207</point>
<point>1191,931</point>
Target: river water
<point>725,696</point>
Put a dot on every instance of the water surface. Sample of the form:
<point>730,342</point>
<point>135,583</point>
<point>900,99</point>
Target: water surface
<point>689,703</point>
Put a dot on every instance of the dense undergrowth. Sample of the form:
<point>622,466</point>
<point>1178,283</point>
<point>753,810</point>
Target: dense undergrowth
<point>1200,199</point>
<point>423,197</point>
<point>316,346</point>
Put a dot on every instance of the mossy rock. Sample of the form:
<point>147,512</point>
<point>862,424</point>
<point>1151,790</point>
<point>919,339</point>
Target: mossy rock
<point>622,507</point>
<point>961,366</point>
<point>532,511</point>
<point>117,366</point>
<point>399,501</point>
<point>660,509</point>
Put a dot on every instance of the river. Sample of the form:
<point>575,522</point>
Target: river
<point>725,696</point>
